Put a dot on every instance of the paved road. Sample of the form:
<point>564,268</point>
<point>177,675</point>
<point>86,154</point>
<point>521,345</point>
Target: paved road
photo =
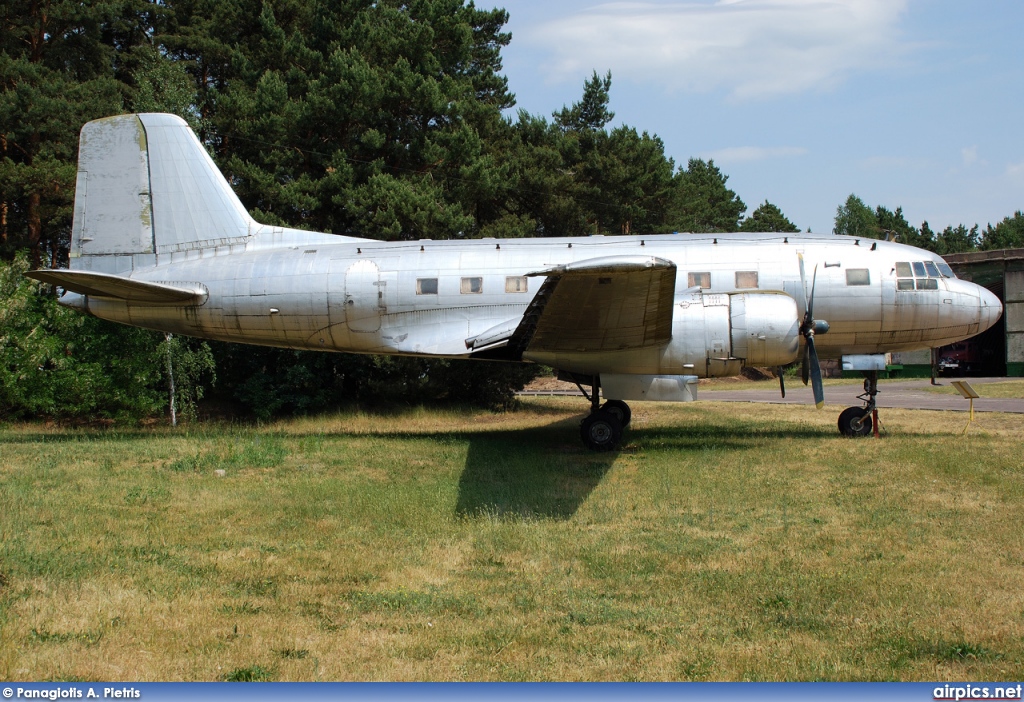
<point>904,394</point>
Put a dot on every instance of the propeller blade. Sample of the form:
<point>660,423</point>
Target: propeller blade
<point>815,370</point>
<point>810,300</point>
<point>782,382</point>
<point>803,282</point>
<point>810,369</point>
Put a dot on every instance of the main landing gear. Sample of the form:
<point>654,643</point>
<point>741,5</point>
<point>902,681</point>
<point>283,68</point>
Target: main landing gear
<point>601,430</point>
<point>860,421</point>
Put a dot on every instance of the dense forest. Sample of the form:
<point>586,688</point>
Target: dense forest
<point>381,119</point>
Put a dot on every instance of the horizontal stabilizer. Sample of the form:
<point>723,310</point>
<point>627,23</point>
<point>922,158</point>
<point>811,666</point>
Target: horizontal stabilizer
<point>114,287</point>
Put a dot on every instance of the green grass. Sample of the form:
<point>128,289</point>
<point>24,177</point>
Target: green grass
<point>724,541</point>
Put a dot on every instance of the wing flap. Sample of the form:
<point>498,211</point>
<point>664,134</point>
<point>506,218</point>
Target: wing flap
<point>605,304</point>
<point>115,287</point>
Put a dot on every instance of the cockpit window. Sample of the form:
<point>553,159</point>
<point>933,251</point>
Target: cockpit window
<point>921,275</point>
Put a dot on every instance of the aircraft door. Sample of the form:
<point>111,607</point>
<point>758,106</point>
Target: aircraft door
<point>717,337</point>
<point>364,297</point>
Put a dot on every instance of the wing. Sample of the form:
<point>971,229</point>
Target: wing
<point>601,304</point>
<point>114,287</point>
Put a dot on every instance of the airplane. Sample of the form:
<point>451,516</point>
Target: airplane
<point>161,241</point>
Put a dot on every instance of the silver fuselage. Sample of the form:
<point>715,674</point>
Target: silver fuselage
<point>316,291</point>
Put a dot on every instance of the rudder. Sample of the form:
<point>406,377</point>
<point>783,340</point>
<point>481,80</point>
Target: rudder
<point>147,189</point>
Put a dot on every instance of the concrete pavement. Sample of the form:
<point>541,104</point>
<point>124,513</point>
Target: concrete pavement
<point>902,394</point>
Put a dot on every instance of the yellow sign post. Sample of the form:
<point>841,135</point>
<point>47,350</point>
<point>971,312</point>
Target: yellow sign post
<point>965,389</point>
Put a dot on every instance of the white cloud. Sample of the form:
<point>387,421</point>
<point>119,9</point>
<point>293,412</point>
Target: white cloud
<point>749,48</point>
<point>1015,170</point>
<point>969,155</point>
<point>746,154</point>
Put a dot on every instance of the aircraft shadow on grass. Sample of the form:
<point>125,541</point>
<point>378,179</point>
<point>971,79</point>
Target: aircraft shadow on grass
<point>542,473</point>
<point>529,473</point>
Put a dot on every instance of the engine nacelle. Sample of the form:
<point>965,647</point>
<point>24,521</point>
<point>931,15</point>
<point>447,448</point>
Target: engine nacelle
<point>715,335</point>
<point>765,328</point>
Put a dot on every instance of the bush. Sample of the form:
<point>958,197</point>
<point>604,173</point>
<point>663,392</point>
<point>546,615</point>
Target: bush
<point>58,363</point>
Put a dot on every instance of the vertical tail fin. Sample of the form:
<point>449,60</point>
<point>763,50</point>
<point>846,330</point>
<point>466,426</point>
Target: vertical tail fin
<point>147,188</point>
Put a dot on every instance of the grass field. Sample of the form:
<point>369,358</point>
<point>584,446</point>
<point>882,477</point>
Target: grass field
<point>725,541</point>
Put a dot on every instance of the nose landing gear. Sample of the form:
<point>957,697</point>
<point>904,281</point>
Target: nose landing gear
<point>861,421</point>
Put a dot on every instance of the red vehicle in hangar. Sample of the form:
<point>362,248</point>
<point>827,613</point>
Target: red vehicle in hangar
<point>960,358</point>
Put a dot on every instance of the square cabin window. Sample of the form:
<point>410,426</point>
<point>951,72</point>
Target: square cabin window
<point>858,276</point>
<point>919,269</point>
<point>903,270</point>
<point>698,280</point>
<point>515,284</point>
<point>426,286</point>
<point>905,284</point>
<point>933,270</point>
<point>472,286</point>
<point>746,279</point>
<point>927,284</point>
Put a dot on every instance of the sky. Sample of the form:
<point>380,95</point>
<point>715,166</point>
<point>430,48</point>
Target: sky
<point>916,104</point>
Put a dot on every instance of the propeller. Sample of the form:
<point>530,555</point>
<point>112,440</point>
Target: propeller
<point>808,328</point>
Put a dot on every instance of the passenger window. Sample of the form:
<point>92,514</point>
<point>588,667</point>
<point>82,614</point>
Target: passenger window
<point>515,284</point>
<point>698,280</point>
<point>858,276</point>
<point>426,286</point>
<point>746,279</point>
<point>933,272</point>
<point>919,269</point>
<point>905,284</point>
<point>903,270</point>
<point>927,284</point>
<point>472,286</point>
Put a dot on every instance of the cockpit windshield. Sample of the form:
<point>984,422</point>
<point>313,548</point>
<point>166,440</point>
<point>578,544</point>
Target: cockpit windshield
<point>921,275</point>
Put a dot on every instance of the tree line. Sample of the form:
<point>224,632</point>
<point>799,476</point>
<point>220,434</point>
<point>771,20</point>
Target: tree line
<point>855,218</point>
<point>383,119</point>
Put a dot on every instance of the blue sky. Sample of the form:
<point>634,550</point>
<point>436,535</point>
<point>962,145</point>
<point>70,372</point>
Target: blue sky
<point>912,103</point>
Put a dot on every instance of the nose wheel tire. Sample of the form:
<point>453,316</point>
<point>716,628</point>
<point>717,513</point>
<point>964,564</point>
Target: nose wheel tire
<point>620,409</point>
<point>601,431</point>
<point>855,421</point>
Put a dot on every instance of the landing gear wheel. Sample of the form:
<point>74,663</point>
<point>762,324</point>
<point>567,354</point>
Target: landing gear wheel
<point>601,431</point>
<point>855,421</point>
<point>620,409</point>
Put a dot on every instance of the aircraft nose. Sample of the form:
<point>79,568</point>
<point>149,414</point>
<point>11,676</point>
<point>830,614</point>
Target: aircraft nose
<point>990,309</point>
